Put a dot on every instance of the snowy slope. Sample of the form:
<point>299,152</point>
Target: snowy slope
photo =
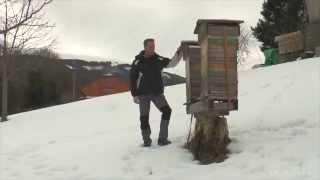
<point>275,135</point>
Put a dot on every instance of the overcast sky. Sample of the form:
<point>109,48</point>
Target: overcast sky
<point>116,28</point>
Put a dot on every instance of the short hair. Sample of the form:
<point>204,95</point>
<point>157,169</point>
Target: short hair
<point>145,42</point>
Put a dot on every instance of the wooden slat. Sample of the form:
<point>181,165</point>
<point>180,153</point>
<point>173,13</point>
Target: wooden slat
<point>222,95</point>
<point>219,30</point>
<point>215,50</point>
<point>222,84</point>
<point>220,57</point>
<point>232,30</point>
<point>221,87</point>
<point>215,30</point>
<point>220,66</point>
<point>222,92</point>
<point>219,76</point>
<point>215,45</point>
<point>204,66</point>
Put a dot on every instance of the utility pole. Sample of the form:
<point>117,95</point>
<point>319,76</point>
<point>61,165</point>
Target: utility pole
<point>5,81</point>
<point>73,70</point>
<point>74,80</point>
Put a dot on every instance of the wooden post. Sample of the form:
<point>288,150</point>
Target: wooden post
<point>5,81</point>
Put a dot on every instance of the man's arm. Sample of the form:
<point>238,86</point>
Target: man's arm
<point>133,78</point>
<point>173,62</point>
<point>175,59</point>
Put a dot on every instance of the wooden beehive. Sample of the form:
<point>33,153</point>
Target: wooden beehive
<point>290,46</point>
<point>290,42</point>
<point>191,55</point>
<point>219,43</point>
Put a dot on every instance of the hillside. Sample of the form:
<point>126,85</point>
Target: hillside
<point>275,135</point>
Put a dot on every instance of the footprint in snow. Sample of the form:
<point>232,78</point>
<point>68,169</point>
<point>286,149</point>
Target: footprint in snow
<point>294,123</point>
<point>15,174</point>
<point>40,166</point>
<point>265,85</point>
<point>52,142</point>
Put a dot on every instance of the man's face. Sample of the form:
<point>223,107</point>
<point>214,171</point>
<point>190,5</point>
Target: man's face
<point>149,48</point>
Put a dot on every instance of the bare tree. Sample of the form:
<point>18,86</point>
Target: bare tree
<point>46,53</point>
<point>244,42</point>
<point>23,27</point>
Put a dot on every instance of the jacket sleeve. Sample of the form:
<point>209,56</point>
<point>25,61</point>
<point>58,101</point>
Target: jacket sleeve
<point>134,73</point>
<point>173,62</point>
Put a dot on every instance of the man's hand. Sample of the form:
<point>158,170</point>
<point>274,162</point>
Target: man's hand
<point>136,100</point>
<point>179,50</point>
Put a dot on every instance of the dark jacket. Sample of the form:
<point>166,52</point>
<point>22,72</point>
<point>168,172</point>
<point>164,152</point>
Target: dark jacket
<point>146,74</point>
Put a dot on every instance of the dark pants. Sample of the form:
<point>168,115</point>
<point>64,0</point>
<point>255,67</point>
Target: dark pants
<point>161,103</point>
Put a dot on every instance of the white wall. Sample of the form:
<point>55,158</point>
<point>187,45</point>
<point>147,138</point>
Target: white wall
<point>313,7</point>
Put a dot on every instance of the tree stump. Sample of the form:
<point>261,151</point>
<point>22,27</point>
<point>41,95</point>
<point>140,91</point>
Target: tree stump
<point>210,139</point>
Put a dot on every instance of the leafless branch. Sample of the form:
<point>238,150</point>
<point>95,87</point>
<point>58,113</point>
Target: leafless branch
<point>244,42</point>
<point>24,27</point>
<point>28,14</point>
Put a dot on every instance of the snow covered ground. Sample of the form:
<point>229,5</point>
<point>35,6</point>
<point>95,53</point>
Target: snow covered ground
<point>275,135</point>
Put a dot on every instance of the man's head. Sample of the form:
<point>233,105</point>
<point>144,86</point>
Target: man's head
<point>149,46</point>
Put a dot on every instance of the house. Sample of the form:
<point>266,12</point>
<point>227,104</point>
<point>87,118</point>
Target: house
<point>312,38</point>
<point>106,84</point>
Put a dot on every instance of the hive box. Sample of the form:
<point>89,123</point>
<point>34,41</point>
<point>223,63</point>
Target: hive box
<point>211,67</point>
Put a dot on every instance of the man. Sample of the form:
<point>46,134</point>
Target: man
<point>146,85</point>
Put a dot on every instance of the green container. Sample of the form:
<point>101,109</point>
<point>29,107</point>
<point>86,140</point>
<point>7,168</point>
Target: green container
<point>271,56</point>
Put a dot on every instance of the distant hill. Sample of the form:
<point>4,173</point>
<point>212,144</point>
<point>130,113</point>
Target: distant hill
<point>38,82</point>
